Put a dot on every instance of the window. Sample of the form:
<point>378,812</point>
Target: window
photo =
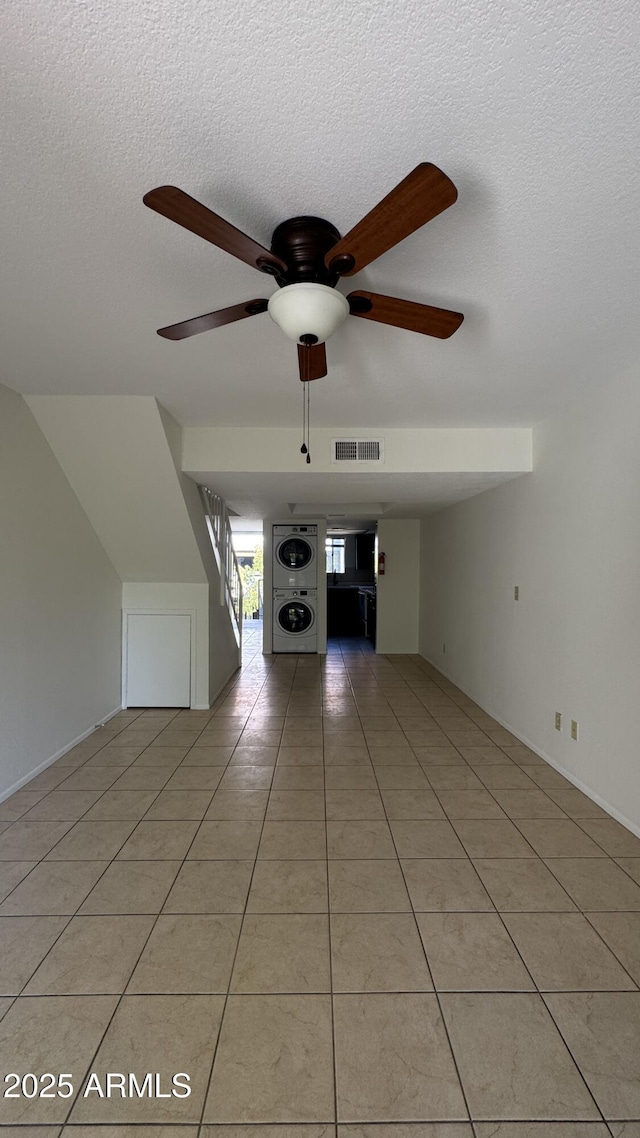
<point>334,547</point>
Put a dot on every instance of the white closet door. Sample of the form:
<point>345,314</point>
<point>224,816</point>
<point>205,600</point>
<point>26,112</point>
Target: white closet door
<point>158,660</point>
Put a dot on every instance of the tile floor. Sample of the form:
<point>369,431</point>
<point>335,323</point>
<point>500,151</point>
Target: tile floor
<point>345,895</point>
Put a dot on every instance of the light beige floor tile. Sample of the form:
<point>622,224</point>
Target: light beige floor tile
<point>393,1061</point>
<point>469,804</point>
<point>492,839</point>
<point>356,776</point>
<point>289,887</point>
<point>244,805</point>
<point>195,778</point>
<point>377,952</point>
<point>615,839</point>
<point>596,883</point>
<point>163,1034</point>
<point>439,885</point>
<point>296,1130</point>
<point>301,756</point>
<point>29,841</point>
<point>563,953</point>
<point>455,777</point>
<point>206,756</point>
<point>548,778</point>
<point>24,942</point>
<point>94,955</point>
<point>359,840</point>
<point>354,804</point>
<point>602,1029</point>
<point>283,953</point>
<point>11,874</point>
<point>120,805</point>
<point>53,887</point>
<point>532,803</point>
<point>392,755</point>
<point>188,954</point>
<point>576,804</point>
<point>137,778</point>
<point>412,804</point>
<point>504,778</point>
<point>157,841</point>
<point>296,805</point>
<point>367,887</point>
<point>472,952</point>
<point>75,1023</point>
<point>483,755</point>
<point>541,1130</point>
<point>402,778</point>
<point>62,806</point>
<point>254,757</point>
<point>237,840</point>
<point>631,865</point>
<point>512,1060</point>
<point>282,841</point>
<point>274,1061</point>
<point>135,1130</point>
<point>426,839</point>
<point>210,887</point>
<point>131,887</point>
<point>444,756</point>
<point>621,931</point>
<point>179,804</point>
<point>261,737</point>
<point>246,778</point>
<point>115,758</point>
<point>90,841</point>
<point>299,778</point>
<point>30,1131</point>
<point>558,838</point>
<point>20,804</point>
<point>625,1129</point>
<point>522,885</point>
<point>48,779</point>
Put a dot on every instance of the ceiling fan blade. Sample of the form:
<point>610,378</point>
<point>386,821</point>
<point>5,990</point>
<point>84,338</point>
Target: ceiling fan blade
<point>312,361</point>
<point>421,196</point>
<point>213,320</point>
<point>440,322</point>
<point>192,215</point>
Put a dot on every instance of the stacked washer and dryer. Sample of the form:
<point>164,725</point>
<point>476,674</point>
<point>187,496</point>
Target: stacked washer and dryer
<point>295,588</point>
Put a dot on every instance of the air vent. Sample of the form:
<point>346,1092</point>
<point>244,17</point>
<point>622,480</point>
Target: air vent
<point>357,450</point>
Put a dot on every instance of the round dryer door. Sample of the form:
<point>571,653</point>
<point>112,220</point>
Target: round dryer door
<point>295,617</point>
<point>295,553</point>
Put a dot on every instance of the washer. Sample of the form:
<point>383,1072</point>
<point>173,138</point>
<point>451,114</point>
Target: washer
<point>295,627</point>
<point>295,557</point>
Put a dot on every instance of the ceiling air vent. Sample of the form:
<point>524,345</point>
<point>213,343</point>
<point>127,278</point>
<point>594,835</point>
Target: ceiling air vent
<point>357,450</point>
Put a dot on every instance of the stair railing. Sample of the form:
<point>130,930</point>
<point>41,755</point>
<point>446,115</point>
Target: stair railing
<point>217,519</point>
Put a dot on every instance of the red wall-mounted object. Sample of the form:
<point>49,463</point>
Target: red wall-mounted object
<point>381,564</point>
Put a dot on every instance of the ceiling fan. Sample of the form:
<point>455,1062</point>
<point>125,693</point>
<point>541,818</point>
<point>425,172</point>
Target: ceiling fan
<point>307,258</point>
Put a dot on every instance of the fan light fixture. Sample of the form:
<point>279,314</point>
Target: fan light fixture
<point>307,312</point>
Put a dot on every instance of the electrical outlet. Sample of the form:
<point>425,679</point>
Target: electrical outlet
<point>444,649</point>
<point>558,721</point>
<point>574,729</point>
<point>516,592</point>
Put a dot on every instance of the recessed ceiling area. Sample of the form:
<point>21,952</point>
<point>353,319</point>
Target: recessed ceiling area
<point>268,111</point>
<point>269,495</point>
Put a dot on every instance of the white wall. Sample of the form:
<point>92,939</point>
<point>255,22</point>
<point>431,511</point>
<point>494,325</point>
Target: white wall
<point>59,606</point>
<point>569,536</point>
<point>398,591</point>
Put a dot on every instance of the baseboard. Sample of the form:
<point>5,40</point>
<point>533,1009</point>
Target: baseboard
<point>569,775</point>
<point>58,755</point>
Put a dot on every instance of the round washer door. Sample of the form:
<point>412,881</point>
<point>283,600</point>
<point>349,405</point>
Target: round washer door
<point>295,553</point>
<point>295,617</point>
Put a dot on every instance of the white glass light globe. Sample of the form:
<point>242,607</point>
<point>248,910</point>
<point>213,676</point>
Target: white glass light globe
<point>308,309</point>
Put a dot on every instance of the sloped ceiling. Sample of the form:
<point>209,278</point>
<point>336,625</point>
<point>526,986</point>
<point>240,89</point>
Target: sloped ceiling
<point>265,110</point>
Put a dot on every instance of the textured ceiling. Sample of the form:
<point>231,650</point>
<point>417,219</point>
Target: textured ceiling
<point>265,110</point>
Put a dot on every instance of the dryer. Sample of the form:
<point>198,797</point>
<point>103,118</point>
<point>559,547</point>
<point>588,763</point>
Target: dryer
<point>295,557</point>
<point>295,624</point>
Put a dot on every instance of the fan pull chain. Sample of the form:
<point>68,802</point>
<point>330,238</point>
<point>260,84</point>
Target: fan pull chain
<point>304,449</point>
